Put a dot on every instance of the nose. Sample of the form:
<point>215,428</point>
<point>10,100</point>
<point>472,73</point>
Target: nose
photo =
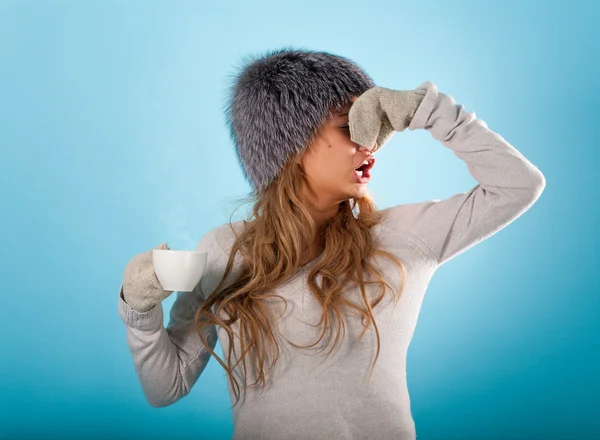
<point>366,150</point>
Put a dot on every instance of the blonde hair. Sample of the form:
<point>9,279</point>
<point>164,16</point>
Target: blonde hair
<point>272,244</point>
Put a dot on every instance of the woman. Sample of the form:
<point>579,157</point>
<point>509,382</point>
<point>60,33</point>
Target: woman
<point>316,258</point>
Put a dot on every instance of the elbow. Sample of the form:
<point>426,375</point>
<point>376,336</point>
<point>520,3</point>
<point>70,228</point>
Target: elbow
<point>538,183</point>
<point>163,399</point>
<point>531,192</point>
<point>529,184</point>
<point>518,199</point>
<point>154,404</point>
<point>158,403</point>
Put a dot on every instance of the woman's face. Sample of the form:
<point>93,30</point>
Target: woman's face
<point>330,163</point>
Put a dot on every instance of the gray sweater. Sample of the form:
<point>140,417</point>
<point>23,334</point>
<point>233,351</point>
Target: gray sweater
<point>308,397</point>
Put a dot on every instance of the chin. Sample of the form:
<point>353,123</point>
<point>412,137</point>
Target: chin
<point>359,191</point>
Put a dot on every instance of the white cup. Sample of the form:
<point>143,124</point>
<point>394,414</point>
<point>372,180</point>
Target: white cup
<point>179,270</point>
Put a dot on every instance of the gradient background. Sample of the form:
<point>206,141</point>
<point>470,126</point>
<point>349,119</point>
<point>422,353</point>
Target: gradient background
<point>112,140</point>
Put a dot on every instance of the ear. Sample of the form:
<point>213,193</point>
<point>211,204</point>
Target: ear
<point>299,158</point>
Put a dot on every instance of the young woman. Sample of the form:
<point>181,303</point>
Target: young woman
<point>315,298</point>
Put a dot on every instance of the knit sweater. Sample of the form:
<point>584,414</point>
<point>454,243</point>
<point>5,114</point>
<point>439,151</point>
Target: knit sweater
<point>309,395</point>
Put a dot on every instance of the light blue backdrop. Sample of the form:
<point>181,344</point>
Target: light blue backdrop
<point>113,140</point>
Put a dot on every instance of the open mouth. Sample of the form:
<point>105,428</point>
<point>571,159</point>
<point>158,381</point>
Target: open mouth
<point>362,173</point>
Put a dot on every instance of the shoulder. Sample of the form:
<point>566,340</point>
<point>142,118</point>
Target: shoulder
<point>218,242</point>
<point>406,216</point>
<point>220,239</point>
<point>401,224</point>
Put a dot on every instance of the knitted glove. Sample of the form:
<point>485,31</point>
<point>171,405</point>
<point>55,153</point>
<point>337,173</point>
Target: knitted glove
<point>379,112</point>
<point>140,288</point>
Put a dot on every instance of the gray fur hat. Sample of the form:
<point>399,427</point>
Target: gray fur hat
<point>278,101</point>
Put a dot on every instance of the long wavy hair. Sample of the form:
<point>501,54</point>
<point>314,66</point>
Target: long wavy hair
<point>275,240</point>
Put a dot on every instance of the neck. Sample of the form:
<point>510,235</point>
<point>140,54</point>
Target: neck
<point>311,254</point>
<point>321,210</point>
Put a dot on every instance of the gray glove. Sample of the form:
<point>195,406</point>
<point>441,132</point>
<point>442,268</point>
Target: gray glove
<point>140,288</point>
<point>379,112</point>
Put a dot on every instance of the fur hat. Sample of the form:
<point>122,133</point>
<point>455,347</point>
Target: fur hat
<point>279,100</point>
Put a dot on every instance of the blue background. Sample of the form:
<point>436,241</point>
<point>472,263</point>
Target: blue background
<point>112,140</point>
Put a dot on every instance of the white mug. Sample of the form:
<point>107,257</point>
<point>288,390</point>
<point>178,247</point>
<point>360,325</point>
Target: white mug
<point>179,270</point>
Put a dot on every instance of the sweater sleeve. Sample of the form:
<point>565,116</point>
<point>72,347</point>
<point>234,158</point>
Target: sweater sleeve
<point>168,361</point>
<point>508,184</point>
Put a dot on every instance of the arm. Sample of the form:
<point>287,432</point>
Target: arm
<point>508,184</point>
<point>168,361</point>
